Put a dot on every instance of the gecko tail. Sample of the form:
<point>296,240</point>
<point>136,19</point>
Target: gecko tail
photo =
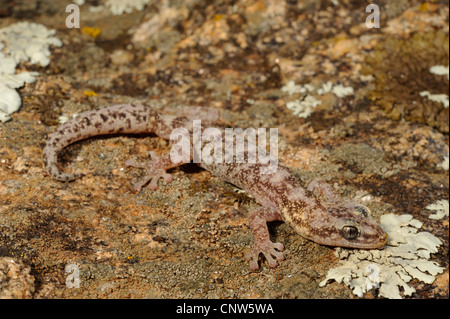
<point>50,162</point>
<point>122,118</point>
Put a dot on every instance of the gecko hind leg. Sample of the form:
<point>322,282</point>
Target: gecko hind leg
<point>154,170</point>
<point>262,243</point>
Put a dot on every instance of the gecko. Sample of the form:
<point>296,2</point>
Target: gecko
<point>317,212</point>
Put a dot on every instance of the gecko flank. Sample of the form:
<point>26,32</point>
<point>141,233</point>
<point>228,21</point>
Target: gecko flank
<point>317,213</point>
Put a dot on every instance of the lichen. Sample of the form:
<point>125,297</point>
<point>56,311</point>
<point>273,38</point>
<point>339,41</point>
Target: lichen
<point>405,257</point>
<point>9,81</point>
<point>9,103</point>
<point>401,68</point>
<point>27,41</point>
<point>342,91</point>
<point>439,98</point>
<point>440,70</point>
<point>126,6</point>
<point>441,209</point>
<point>292,88</point>
<point>445,163</point>
<point>21,42</point>
<point>304,106</point>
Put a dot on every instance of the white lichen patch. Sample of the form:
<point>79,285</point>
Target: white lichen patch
<point>9,103</point>
<point>441,209</point>
<point>339,90</point>
<point>342,91</point>
<point>64,118</point>
<point>405,257</point>
<point>9,81</point>
<point>301,107</point>
<point>305,107</point>
<point>21,42</point>
<point>326,88</point>
<point>444,164</point>
<point>27,41</point>
<point>9,78</point>
<point>439,98</point>
<point>292,88</point>
<point>10,99</point>
<point>440,70</point>
<point>119,7</point>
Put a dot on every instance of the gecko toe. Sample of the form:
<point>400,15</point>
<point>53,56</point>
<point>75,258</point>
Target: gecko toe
<point>254,264</point>
<point>252,256</point>
<point>167,177</point>
<point>269,250</point>
<point>138,186</point>
<point>278,246</point>
<point>153,185</point>
<point>273,252</point>
<point>278,255</point>
<point>272,262</point>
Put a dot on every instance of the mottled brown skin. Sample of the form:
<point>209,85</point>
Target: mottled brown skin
<point>317,213</point>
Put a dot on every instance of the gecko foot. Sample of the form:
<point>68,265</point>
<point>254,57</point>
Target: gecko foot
<point>154,170</point>
<point>268,249</point>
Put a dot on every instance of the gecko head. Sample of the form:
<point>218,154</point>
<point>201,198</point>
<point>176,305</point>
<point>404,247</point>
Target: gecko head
<point>348,225</point>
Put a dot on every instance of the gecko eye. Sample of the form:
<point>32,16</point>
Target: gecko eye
<point>349,232</point>
<point>362,210</point>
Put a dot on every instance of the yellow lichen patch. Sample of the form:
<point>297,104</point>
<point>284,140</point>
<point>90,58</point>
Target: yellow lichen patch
<point>93,32</point>
<point>90,93</point>
<point>423,7</point>
<point>217,17</point>
<point>426,6</point>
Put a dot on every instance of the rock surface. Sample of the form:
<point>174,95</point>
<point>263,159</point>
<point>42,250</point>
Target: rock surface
<point>188,239</point>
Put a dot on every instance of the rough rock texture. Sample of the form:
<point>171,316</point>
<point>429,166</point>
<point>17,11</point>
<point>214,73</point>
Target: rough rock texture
<point>401,68</point>
<point>15,279</point>
<point>188,239</point>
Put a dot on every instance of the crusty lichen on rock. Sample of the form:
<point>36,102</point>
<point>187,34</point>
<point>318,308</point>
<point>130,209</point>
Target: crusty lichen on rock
<point>441,209</point>
<point>126,6</point>
<point>21,42</point>
<point>27,41</point>
<point>405,257</point>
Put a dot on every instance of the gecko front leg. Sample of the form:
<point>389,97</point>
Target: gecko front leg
<point>258,219</point>
<point>155,169</point>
